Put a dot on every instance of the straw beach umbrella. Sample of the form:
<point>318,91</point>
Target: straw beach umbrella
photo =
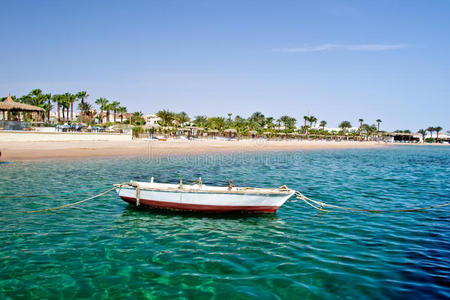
<point>212,132</point>
<point>230,132</point>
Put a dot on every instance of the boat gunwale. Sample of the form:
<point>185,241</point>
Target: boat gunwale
<point>249,191</point>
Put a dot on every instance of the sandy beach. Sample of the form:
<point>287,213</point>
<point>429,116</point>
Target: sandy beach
<point>38,150</point>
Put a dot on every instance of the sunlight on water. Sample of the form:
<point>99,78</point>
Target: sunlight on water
<point>106,248</point>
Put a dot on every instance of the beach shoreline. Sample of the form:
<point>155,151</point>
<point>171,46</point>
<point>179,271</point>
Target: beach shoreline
<point>57,150</point>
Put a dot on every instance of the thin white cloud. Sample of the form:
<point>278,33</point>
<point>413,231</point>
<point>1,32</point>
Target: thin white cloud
<point>354,47</point>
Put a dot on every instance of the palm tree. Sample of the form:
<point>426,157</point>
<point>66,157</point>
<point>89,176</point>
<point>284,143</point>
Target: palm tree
<point>57,99</point>
<point>378,124</point>
<point>216,123</point>
<point>312,120</point>
<point>360,123</point>
<point>166,116</point>
<point>269,122</point>
<point>201,121</point>
<point>182,118</point>
<point>113,106</point>
<point>50,106</point>
<point>306,119</point>
<point>37,98</point>
<point>423,132</point>
<point>431,130</point>
<point>69,100</point>
<point>85,109</point>
<point>369,129</point>
<point>102,102</point>
<point>323,124</point>
<point>344,125</point>
<point>257,120</point>
<point>288,122</point>
<point>437,129</point>
<point>108,109</point>
<point>121,110</point>
<point>138,118</point>
<point>65,104</point>
<point>82,95</point>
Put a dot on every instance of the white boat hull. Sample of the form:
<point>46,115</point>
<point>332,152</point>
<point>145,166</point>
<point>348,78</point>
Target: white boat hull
<point>205,201</point>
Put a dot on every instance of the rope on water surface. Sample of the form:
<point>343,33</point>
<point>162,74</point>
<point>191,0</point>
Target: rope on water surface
<point>313,203</point>
<point>72,204</point>
<point>45,195</point>
<point>321,205</point>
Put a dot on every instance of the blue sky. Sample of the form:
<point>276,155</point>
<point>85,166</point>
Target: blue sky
<point>337,60</point>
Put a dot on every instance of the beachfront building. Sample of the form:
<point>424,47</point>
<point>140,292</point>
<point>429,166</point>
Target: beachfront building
<point>152,119</point>
<point>335,129</point>
<point>403,137</point>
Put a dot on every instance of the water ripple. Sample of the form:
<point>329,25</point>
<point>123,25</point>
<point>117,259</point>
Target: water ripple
<point>107,248</point>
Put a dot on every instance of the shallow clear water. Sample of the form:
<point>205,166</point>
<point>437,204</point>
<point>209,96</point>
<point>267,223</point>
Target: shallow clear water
<point>106,248</point>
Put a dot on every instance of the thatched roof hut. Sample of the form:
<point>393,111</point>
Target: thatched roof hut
<point>11,105</point>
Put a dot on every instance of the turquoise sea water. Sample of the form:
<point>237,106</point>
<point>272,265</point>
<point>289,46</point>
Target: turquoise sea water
<point>105,248</point>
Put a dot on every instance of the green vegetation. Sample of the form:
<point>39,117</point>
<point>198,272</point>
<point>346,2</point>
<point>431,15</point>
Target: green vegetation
<point>137,130</point>
<point>256,124</point>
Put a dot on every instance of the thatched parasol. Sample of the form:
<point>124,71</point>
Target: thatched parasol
<point>212,131</point>
<point>252,132</point>
<point>11,105</point>
<point>230,130</point>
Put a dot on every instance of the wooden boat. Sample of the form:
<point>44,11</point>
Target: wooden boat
<point>204,198</point>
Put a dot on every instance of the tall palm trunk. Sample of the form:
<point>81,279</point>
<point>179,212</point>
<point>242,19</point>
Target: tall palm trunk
<point>59,110</point>
<point>101,116</point>
<point>82,109</point>
<point>71,111</point>
<point>49,106</point>
<point>121,118</point>
<point>115,115</point>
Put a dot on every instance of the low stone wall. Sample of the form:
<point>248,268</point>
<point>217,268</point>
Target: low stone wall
<point>26,136</point>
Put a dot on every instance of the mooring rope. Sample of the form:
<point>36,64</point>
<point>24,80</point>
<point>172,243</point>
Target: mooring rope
<point>71,204</point>
<point>46,195</point>
<point>309,201</point>
<point>313,203</point>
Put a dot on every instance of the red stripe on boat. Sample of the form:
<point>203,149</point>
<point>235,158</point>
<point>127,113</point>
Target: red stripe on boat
<point>201,207</point>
